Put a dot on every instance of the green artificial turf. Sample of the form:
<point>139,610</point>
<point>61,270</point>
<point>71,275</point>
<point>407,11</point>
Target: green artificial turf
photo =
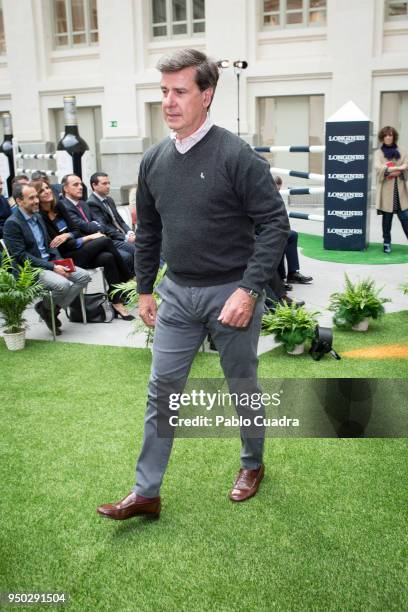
<point>327,530</point>
<point>312,246</point>
<point>390,329</point>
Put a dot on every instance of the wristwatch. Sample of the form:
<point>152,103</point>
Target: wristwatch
<point>251,292</point>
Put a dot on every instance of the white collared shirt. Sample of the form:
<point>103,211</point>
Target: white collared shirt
<point>74,202</point>
<point>187,143</point>
<point>100,198</point>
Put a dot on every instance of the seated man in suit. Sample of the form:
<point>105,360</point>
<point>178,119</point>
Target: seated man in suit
<point>78,211</point>
<point>104,210</point>
<point>26,237</point>
<point>5,208</point>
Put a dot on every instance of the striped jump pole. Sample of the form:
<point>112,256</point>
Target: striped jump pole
<point>62,159</point>
<point>301,191</point>
<point>35,156</point>
<point>299,174</point>
<point>308,216</point>
<point>31,170</point>
<point>291,149</point>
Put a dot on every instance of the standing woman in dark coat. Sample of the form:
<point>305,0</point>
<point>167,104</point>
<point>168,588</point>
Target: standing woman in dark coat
<point>91,251</point>
<point>391,166</point>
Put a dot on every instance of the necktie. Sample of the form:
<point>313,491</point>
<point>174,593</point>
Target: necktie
<point>83,215</point>
<point>112,216</point>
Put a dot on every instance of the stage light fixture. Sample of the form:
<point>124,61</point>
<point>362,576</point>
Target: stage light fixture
<point>240,64</point>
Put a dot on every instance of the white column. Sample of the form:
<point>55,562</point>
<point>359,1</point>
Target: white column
<point>226,35</point>
<point>23,68</point>
<point>118,57</point>
<point>121,146</point>
<point>350,42</point>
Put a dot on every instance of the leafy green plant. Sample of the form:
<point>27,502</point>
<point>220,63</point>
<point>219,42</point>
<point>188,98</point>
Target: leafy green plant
<point>129,294</point>
<point>357,302</point>
<point>404,288</point>
<point>290,325</point>
<point>19,287</point>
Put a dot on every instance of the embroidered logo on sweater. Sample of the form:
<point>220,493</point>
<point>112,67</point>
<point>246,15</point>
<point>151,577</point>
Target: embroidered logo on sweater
<point>202,176</point>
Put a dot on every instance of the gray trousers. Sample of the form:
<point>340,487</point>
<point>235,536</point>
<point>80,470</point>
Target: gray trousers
<point>64,290</point>
<point>185,316</point>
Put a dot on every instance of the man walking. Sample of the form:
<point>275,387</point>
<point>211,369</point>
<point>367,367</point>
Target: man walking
<point>201,193</point>
<point>104,210</point>
<point>26,237</point>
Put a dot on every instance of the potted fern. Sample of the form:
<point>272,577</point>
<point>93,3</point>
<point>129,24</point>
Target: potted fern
<point>291,325</point>
<point>19,287</point>
<point>359,302</point>
<point>130,295</point>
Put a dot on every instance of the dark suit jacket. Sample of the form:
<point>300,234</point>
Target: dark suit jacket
<point>21,243</point>
<point>5,212</point>
<point>99,212</point>
<point>85,227</point>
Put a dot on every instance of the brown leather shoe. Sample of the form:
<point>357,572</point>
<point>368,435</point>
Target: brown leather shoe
<point>247,484</point>
<point>129,506</point>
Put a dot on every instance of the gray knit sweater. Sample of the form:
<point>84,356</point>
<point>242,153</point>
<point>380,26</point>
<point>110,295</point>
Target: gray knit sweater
<point>202,209</point>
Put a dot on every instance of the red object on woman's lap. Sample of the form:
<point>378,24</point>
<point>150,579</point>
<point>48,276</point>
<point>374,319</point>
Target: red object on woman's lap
<point>392,174</point>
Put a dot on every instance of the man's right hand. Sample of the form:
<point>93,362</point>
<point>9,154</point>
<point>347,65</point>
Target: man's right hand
<point>61,270</point>
<point>147,309</point>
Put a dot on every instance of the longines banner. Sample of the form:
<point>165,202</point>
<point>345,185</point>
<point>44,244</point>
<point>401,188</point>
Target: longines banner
<point>347,185</point>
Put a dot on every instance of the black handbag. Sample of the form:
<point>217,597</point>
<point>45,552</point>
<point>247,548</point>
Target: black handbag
<point>97,307</point>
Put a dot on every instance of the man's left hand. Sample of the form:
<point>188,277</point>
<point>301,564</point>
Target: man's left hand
<point>238,309</point>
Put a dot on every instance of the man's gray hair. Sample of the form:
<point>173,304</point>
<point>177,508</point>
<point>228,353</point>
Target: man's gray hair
<point>207,71</point>
<point>65,179</point>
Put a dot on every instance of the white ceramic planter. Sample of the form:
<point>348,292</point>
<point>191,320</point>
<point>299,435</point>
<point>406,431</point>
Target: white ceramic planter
<point>15,342</point>
<point>298,350</point>
<point>362,326</point>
